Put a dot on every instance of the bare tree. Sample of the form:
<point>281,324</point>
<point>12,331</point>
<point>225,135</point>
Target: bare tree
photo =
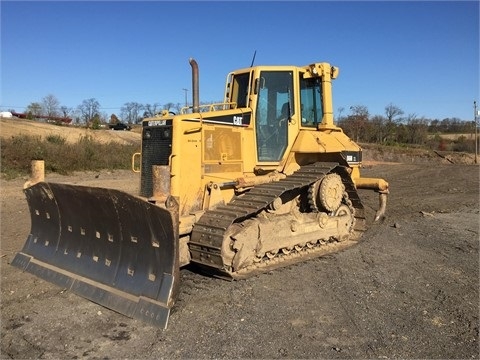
<point>66,111</point>
<point>392,112</point>
<point>33,110</point>
<point>104,118</point>
<point>151,110</point>
<point>418,129</point>
<point>51,105</point>
<point>340,111</point>
<point>178,107</point>
<point>169,106</point>
<point>392,129</point>
<point>131,112</point>
<point>358,120</point>
<point>88,109</point>
<point>377,129</point>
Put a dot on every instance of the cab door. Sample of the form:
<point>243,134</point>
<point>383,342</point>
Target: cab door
<point>273,111</point>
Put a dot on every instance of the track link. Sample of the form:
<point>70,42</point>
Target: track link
<point>210,231</point>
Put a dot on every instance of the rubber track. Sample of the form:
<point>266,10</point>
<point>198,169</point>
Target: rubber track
<point>209,232</point>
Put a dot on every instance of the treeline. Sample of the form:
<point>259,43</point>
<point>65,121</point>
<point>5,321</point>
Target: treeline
<point>394,128</point>
<point>90,111</point>
<point>91,114</point>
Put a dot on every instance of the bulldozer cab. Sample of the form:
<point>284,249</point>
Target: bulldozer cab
<point>284,101</point>
<point>275,110</point>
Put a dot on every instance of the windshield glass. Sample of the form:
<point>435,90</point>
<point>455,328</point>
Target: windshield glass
<point>311,101</point>
<point>272,114</point>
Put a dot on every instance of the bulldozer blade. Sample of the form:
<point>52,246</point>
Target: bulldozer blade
<point>110,247</point>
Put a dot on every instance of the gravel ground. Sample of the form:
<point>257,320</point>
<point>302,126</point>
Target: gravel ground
<point>409,289</point>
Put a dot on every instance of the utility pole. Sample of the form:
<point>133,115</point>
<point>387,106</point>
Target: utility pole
<point>186,102</point>
<point>476,130</point>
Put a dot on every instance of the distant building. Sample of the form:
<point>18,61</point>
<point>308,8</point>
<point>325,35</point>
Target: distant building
<point>65,120</point>
<point>6,114</point>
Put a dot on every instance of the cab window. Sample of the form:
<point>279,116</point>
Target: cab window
<point>240,90</point>
<point>274,108</point>
<point>311,101</point>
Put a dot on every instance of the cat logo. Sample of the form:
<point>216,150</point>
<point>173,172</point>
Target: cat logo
<point>237,120</point>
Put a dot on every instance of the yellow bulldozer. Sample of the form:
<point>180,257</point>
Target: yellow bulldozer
<point>262,180</point>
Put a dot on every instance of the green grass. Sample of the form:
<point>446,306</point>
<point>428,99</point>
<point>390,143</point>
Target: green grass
<point>62,157</point>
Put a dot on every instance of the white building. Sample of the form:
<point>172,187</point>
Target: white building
<point>5,114</point>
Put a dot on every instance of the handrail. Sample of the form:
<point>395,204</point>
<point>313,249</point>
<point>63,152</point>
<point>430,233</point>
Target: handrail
<point>210,107</point>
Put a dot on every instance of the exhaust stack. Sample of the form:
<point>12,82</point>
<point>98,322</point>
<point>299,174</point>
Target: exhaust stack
<point>195,95</point>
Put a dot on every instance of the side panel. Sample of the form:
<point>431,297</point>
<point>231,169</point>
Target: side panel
<point>187,185</point>
<point>222,150</point>
<point>210,149</point>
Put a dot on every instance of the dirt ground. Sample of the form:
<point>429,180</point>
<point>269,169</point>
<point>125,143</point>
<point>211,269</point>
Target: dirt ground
<point>409,289</point>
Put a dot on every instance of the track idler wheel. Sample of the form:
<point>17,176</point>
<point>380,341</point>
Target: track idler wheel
<point>326,194</point>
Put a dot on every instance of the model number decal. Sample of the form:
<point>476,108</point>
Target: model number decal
<point>157,122</point>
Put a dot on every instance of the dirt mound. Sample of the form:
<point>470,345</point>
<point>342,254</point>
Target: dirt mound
<point>389,154</point>
<point>13,127</point>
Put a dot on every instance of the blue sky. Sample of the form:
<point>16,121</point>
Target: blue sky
<point>421,56</point>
